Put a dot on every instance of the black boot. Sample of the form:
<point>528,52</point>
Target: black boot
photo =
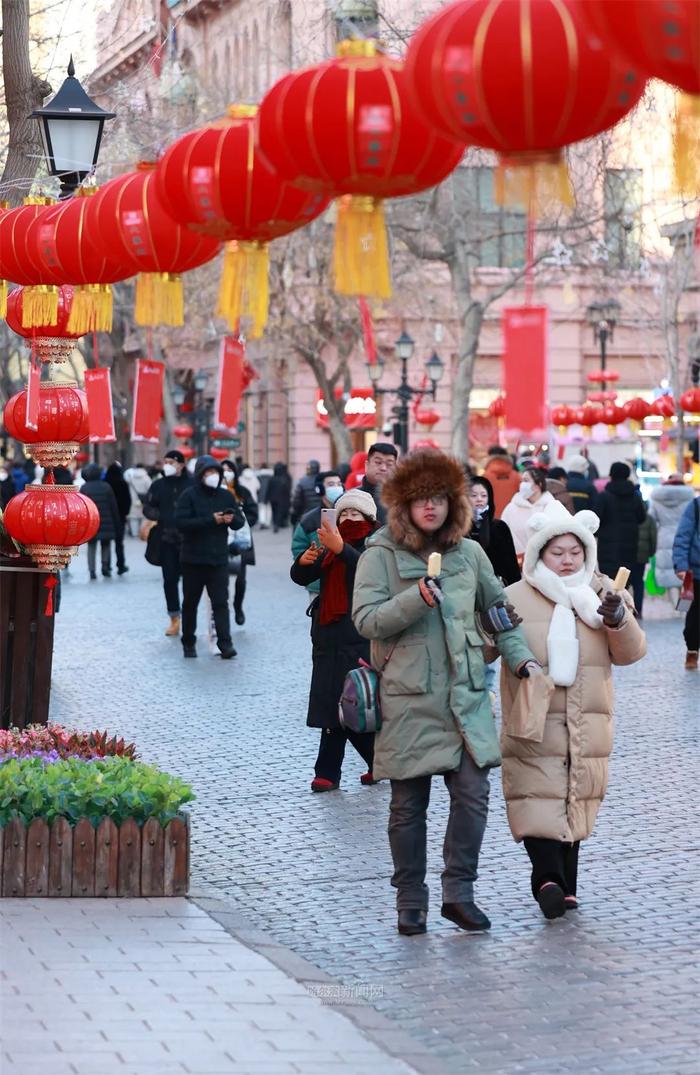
<point>189,649</point>
<point>226,650</point>
<point>412,921</point>
<point>466,915</point>
<point>551,900</point>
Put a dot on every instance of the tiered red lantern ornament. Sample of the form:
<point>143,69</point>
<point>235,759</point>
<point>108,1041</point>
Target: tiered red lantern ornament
<point>63,423</point>
<point>522,77</point>
<point>216,182</point>
<point>40,292</point>
<point>52,340</point>
<point>347,128</point>
<point>51,521</point>
<point>131,222</point>
<point>690,401</point>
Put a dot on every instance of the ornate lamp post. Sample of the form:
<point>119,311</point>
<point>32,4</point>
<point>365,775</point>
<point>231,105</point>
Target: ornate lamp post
<point>203,411</point>
<point>602,316</point>
<point>434,368</point>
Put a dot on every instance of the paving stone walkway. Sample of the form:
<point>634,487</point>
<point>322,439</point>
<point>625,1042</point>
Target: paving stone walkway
<point>612,988</point>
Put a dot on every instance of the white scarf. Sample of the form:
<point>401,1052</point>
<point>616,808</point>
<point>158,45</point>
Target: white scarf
<point>570,593</point>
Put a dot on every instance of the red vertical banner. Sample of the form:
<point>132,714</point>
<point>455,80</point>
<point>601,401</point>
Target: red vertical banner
<point>98,389</point>
<point>33,378</point>
<point>525,369</point>
<point>148,401</point>
<point>230,386</point>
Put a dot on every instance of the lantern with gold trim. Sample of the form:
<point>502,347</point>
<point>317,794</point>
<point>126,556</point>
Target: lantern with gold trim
<point>347,128</point>
<point>51,521</point>
<point>51,342</point>
<point>131,223</point>
<point>216,182</point>
<point>63,422</point>
<point>636,409</point>
<point>613,416</point>
<point>41,294</point>
<point>562,417</point>
<point>522,77</point>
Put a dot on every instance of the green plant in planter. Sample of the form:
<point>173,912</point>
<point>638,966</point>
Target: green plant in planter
<point>74,788</point>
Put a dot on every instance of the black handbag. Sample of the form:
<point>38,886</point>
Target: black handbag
<point>154,546</point>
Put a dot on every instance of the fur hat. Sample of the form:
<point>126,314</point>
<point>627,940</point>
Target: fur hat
<point>554,521</point>
<point>578,464</point>
<point>427,473</point>
<point>360,501</point>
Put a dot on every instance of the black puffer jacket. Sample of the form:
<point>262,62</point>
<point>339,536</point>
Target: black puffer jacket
<point>621,510</point>
<point>582,491</point>
<point>160,503</point>
<point>204,540</point>
<point>495,538</point>
<point>111,525</point>
<point>115,478</point>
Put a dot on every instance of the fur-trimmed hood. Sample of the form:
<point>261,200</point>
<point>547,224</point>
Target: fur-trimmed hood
<point>427,473</point>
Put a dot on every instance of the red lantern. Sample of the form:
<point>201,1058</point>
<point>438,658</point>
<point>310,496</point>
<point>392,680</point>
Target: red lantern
<point>664,407</point>
<point>186,450</point>
<point>346,127</point>
<point>428,418</point>
<point>63,423</point>
<point>523,77</point>
<point>497,408</point>
<point>133,225</point>
<point>52,342</point>
<point>637,409</point>
<point>82,457</point>
<point>41,295</point>
<point>562,417</point>
<point>601,376</point>
<point>51,521</point>
<point>690,401</point>
<point>588,415</point>
<point>218,453</point>
<point>183,431</point>
<point>613,415</point>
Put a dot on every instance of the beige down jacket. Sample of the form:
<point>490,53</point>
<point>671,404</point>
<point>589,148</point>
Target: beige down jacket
<point>554,787</point>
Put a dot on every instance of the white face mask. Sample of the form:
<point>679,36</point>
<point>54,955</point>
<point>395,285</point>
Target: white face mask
<point>169,469</point>
<point>526,489</point>
<point>3,475</point>
<point>212,480</point>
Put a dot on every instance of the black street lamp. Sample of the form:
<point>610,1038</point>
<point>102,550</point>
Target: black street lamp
<point>71,129</point>
<point>434,368</point>
<point>203,412</point>
<point>602,316</point>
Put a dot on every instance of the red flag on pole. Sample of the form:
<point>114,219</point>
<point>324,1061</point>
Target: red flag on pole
<point>230,387</point>
<point>525,365</point>
<point>98,389</point>
<point>148,398</point>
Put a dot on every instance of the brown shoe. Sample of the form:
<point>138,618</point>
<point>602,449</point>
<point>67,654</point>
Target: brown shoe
<point>174,628</point>
<point>691,660</point>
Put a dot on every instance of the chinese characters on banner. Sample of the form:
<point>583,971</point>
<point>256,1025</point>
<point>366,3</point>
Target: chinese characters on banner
<point>525,366</point>
<point>230,387</point>
<point>148,397</point>
<point>98,389</point>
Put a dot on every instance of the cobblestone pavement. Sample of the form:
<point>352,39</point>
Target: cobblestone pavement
<point>612,988</point>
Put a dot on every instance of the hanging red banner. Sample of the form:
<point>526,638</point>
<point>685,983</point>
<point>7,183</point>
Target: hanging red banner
<point>525,369</point>
<point>230,387</point>
<point>148,401</point>
<point>33,378</point>
<point>98,389</point>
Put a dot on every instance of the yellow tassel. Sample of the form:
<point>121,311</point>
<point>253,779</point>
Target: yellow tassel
<point>533,181</point>
<point>244,292</point>
<point>159,299</point>
<point>39,306</point>
<point>3,298</point>
<point>361,255</point>
<point>686,145</point>
<point>91,309</point>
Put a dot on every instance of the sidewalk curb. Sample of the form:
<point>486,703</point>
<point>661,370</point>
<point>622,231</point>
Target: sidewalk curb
<point>380,1030</point>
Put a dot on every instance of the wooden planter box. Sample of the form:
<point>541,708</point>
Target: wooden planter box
<point>26,644</point>
<point>83,861</point>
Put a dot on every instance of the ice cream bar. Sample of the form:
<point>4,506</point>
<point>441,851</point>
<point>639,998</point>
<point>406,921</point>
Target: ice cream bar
<point>621,578</point>
<point>434,565</point>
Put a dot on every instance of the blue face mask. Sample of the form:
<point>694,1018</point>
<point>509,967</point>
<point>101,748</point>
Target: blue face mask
<point>334,492</point>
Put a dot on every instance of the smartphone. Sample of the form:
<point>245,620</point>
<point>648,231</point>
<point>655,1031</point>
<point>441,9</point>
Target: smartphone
<point>328,515</point>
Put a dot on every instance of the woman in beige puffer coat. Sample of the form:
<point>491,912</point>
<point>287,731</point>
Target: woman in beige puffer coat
<point>557,734</point>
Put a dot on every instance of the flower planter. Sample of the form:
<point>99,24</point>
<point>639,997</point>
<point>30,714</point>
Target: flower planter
<point>127,860</point>
<point>26,644</point>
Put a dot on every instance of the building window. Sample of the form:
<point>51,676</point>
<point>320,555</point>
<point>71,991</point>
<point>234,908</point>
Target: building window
<point>498,233</point>
<point>622,192</point>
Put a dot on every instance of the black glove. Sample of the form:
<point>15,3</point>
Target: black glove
<point>612,609</point>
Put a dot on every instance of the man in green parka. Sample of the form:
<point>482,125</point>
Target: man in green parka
<point>427,644</point>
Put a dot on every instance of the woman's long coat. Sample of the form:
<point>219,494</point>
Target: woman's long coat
<point>554,788</point>
<point>433,689</point>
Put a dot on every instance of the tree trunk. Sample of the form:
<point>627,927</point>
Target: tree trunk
<point>23,93</point>
<point>471,316</point>
<point>341,437</point>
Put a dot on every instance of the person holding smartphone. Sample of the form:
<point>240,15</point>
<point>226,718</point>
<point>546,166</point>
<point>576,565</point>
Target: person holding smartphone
<point>204,514</point>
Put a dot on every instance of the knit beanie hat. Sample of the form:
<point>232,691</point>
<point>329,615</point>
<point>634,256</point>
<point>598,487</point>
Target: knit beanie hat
<point>619,472</point>
<point>554,521</point>
<point>578,464</point>
<point>360,501</point>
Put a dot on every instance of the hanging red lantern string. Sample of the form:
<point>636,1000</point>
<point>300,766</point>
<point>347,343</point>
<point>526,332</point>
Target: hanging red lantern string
<point>347,128</point>
<point>131,222</point>
<point>522,77</point>
<point>51,521</point>
<point>603,376</point>
<point>63,423</point>
<point>41,294</point>
<point>216,182</point>
<point>613,416</point>
<point>51,342</point>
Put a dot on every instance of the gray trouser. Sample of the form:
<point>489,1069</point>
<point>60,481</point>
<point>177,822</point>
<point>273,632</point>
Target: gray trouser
<point>469,804</point>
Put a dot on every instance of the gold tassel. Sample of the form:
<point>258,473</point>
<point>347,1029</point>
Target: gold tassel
<point>159,299</point>
<point>244,292</point>
<point>537,181</point>
<point>91,309</point>
<point>3,298</point>
<point>686,145</point>
<point>361,255</point>
<point>39,306</point>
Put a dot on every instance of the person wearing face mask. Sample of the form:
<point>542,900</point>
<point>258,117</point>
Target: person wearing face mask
<point>204,513</point>
<point>532,496</point>
<point>239,562</point>
<point>492,534</point>
<point>7,488</point>
<point>165,539</point>
<point>329,487</point>
<point>337,647</point>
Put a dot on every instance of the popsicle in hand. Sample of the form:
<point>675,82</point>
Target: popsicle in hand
<point>434,565</point>
<point>621,579</point>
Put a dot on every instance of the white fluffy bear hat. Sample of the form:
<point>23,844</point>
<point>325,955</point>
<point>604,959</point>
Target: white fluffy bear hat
<point>554,521</point>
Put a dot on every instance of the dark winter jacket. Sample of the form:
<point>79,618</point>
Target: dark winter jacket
<point>583,492</point>
<point>495,538</point>
<point>204,540</point>
<point>160,503</point>
<point>279,487</point>
<point>306,496</point>
<point>7,491</point>
<point>621,511</point>
<point>111,524</point>
<point>646,542</point>
<point>686,546</point>
<point>115,478</point>
<point>19,478</point>
<point>376,494</point>
<point>336,647</point>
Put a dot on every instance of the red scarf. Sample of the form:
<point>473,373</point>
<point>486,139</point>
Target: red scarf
<point>335,599</point>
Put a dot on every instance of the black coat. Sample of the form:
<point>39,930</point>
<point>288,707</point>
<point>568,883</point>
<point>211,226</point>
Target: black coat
<point>205,541</point>
<point>115,478</point>
<point>376,494</point>
<point>279,489</point>
<point>306,496</point>
<point>111,524</point>
<point>621,510</point>
<point>495,538</point>
<point>160,503</point>
<point>582,491</point>
<point>7,491</point>
<point>336,647</point>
